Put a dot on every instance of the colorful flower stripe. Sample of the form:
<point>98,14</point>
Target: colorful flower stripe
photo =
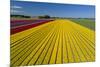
<point>25,27</point>
<point>57,42</point>
<point>19,23</point>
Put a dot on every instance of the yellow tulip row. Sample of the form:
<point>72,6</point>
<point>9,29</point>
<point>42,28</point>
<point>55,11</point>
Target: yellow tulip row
<point>60,41</point>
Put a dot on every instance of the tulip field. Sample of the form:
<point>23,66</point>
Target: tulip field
<point>52,41</point>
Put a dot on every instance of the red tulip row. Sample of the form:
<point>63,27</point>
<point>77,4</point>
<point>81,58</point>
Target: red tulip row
<point>14,21</point>
<point>27,26</point>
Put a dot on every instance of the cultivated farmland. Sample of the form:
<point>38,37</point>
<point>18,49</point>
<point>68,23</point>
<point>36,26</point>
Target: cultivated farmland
<point>58,41</point>
<point>89,23</point>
